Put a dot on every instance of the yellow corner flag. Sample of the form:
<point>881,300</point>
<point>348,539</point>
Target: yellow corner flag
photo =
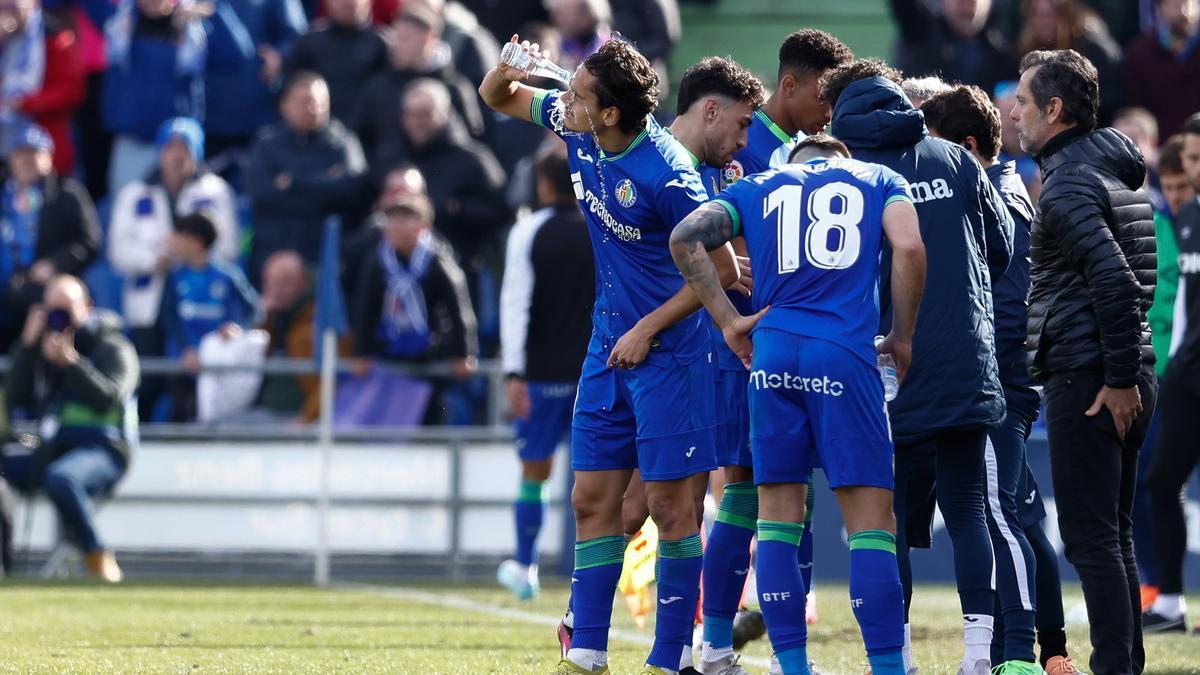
<point>637,574</point>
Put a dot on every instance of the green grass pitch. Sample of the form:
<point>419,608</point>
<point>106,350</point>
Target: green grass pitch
<point>199,628</point>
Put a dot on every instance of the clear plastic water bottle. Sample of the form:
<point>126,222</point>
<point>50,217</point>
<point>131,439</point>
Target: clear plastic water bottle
<point>514,56</point>
<point>887,372</point>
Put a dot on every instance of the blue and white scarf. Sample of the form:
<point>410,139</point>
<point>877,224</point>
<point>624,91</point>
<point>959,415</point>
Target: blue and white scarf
<point>190,53</point>
<point>405,321</point>
<point>20,210</point>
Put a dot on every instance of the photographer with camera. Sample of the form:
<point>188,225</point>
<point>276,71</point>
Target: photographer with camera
<point>77,372</point>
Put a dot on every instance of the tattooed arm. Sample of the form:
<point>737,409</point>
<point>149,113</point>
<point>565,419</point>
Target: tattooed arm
<point>631,349</point>
<point>708,228</point>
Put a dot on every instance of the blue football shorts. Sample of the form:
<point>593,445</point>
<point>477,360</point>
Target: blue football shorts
<point>550,406</point>
<point>733,418</point>
<point>657,417</point>
<point>816,403</point>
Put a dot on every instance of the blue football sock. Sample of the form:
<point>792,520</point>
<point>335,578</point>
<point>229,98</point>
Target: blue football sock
<point>806,541</point>
<point>878,599</point>
<point>530,509</point>
<point>678,591</point>
<point>727,561</point>
<point>781,593</point>
<point>597,570</point>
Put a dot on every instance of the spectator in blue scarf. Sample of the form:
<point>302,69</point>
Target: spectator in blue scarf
<point>48,226</point>
<point>412,301</point>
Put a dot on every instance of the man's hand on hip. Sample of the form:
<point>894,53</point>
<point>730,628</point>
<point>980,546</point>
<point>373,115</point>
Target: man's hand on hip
<point>1124,404</point>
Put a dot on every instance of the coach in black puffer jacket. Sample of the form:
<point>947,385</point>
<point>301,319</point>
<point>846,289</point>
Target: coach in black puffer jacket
<point>1084,311</point>
<point>1093,272</point>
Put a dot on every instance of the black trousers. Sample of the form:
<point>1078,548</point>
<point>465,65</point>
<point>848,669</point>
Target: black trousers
<point>946,468</point>
<point>1175,455</point>
<point>1095,475</point>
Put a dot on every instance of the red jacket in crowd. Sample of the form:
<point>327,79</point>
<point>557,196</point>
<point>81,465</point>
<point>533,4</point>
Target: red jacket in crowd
<point>62,91</point>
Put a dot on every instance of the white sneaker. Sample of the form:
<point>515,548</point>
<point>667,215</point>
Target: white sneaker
<point>724,666</point>
<point>980,667</point>
<point>521,580</point>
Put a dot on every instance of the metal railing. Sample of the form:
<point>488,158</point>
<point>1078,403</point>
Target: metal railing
<point>453,440</point>
<point>490,369</point>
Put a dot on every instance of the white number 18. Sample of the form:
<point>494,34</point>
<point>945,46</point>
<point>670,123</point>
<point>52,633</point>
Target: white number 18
<point>788,200</point>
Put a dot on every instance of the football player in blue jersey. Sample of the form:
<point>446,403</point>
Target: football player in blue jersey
<point>645,397</point>
<point>815,231</point>
<point>716,102</point>
<point>793,110</point>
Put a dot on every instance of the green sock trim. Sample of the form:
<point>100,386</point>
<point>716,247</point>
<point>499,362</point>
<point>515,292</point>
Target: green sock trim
<point>775,530</point>
<point>532,491</point>
<point>600,551</point>
<point>809,502</point>
<point>688,547</point>
<point>876,540</point>
<point>739,506</point>
<point>628,538</point>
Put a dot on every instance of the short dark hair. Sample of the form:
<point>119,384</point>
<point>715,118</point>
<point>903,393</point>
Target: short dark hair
<point>300,78</point>
<point>812,51</point>
<point>835,81</point>
<point>1067,75</point>
<point>198,225</point>
<point>722,77</point>
<point>550,165</point>
<point>1170,156</point>
<point>1192,124</point>
<point>828,145</point>
<point>965,111</point>
<point>625,79</point>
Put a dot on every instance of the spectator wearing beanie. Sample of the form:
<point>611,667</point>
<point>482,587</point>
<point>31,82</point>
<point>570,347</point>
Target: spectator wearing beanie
<point>48,226</point>
<point>141,225</point>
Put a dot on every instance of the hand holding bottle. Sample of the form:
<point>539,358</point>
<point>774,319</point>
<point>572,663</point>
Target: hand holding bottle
<point>521,60</point>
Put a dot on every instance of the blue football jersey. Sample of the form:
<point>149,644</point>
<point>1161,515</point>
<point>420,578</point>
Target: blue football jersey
<point>632,201</point>
<point>767,147</point>
<point>814,232</point>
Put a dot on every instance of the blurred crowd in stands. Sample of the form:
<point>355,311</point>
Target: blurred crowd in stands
<point>183,155</point>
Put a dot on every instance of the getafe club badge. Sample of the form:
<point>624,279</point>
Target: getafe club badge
<point>626,195</point>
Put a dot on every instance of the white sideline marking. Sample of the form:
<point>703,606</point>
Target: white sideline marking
<point>457,602</point>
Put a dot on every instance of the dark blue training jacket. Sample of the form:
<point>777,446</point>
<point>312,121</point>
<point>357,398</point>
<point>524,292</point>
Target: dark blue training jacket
<point>954,380</point>
<point>1010,295</point>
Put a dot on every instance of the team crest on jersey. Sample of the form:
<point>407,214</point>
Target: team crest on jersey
<point>732,172</point>
<point>626,195</point>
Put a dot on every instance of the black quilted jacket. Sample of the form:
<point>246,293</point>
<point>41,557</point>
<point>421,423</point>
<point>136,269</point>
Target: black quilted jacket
<point>1093,259</point>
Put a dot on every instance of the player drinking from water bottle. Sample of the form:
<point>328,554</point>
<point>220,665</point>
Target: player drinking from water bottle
<point>645,395</point>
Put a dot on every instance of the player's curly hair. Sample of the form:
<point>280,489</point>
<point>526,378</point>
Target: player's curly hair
<point>812,51</point>
<point>625,79</point>
<point>835,81</point>
<point>719,76</point>
<point>965,111</point>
